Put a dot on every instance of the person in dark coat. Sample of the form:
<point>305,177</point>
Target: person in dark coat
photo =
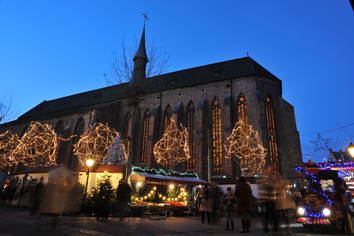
<point>204,208</point>
<point>243,194</point>
<point>124,193</point>
<point>37,197</point>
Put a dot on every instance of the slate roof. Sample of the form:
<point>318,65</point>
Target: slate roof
<point>87,101</point>
<point>339,156</point>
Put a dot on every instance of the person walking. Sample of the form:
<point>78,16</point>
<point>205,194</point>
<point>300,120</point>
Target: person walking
<point>124,193</point>
<point>284,202</point>
<point>204,208</point>
<point>243,194</point>
<point>267,195</point>
<point>37,197</point>
<point>229,203</point>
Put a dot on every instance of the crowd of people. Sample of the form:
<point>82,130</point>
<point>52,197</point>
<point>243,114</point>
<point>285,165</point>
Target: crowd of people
<point>274,203</point>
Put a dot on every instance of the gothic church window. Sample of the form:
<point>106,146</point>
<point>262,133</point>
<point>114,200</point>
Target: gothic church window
<point>242,108</point>
<point>190,128</point>
<point>271,128</point>
<point>126,133</point>
<point>79,128</point>
<point>217,137</point>
<point>144,143</point>
<point>167,116</point>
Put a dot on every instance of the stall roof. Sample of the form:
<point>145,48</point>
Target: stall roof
<point>168,179</point>
<point>103,168</point>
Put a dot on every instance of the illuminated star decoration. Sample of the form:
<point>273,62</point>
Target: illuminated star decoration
<point>245,146</point>
<point>37,147</point>
<point>8,143</point>
<point>94,143</point>
<point>173,147</point>
<point>321,143</point>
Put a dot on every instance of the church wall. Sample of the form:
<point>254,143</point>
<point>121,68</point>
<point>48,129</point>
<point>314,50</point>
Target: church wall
<point>255,89</point>
<point>290,140</point>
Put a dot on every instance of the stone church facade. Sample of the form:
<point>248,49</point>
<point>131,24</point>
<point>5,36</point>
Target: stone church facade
<point>207,100</point>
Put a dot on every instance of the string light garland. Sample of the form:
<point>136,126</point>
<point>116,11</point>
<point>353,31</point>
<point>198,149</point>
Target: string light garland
<point>94,143</point>
<point>245,146</point>
<point>8,143</point>
<point>182,196</point>
<point>164,172</point>
<point>37,147</point>
<point>173,147</point>
<point>66,139</point>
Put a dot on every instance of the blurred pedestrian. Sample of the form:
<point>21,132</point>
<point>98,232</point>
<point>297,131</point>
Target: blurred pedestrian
<point>37,197</point>
<point>204,208</point>
<point>245,204</point>
<point>124,193</point>
<point>284,202</point>
<point>267,195</point>
<point>229,203</point>
<point>215,202</point>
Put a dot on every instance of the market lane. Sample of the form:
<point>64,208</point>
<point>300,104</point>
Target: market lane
<point>18,223</point>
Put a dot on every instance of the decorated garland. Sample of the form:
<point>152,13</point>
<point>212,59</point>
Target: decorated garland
<point>164,172</point>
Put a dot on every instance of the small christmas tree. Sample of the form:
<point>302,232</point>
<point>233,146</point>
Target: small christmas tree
<point>116,154</point>
<point>101,197</point>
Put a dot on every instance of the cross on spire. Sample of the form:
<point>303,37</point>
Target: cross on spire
<point>146,18</point>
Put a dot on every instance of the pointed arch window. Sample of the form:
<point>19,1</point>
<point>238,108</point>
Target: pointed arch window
<point>126,133</point>
<point>242,108</point>
<point>145,137</point>
<point>190,128</point>
<point>271,129</point>
<point>79,128</point>
<point>59,130</point>
<point>217,137</point>
<point>167,116</point>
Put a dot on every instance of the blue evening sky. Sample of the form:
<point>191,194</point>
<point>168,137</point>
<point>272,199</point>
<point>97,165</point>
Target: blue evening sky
<point>50,49</point>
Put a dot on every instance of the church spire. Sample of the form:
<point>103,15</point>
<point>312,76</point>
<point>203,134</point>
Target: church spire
<point>140,58</point>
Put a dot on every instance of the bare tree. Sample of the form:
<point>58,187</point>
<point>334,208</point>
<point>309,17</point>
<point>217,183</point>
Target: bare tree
<point>123,65</point>
<point>5,110</point>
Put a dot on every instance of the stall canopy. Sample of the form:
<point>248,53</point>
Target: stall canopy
<point>161,176</point>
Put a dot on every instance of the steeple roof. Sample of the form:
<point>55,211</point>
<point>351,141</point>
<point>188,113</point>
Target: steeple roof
<point>141,53</point>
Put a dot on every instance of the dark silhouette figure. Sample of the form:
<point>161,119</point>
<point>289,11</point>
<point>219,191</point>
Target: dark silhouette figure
<point>37,197</point>
<point>124,193</point>
<point>229,202</point>
<point>244,196</point>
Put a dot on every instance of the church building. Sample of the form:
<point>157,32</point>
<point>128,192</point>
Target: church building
<point>208,100</point>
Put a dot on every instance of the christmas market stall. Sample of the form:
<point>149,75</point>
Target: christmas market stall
<point>164,192</point>
<point>91,177</point>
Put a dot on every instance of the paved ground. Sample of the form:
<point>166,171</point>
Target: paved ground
<point>14,222</point>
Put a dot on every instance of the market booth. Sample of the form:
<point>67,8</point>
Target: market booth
<point>98,172</point>
<point>160,192</point>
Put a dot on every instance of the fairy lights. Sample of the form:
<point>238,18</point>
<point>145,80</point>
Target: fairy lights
<point>37,147</point>
<point>8,143</point>
<point>173,147</point>
<point>245,146</point>
<point>164,172</point>
<point>152,195</point>
<point>94,143</point>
